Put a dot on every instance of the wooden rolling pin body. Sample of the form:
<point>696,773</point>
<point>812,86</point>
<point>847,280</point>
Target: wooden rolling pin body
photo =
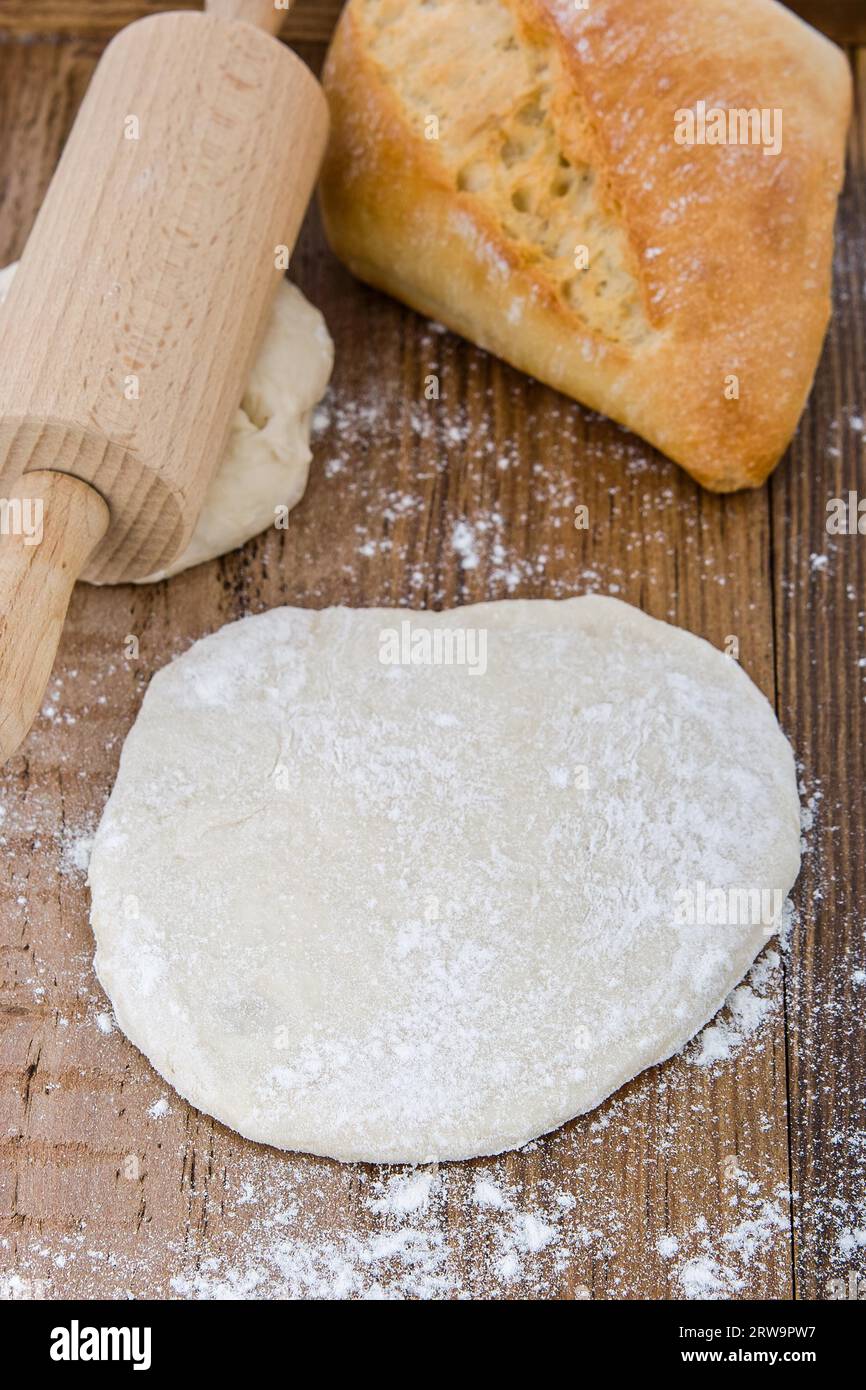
<point>137,309</point>
<point>134,317</point>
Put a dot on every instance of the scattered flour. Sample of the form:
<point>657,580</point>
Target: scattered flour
<point>76,845</point>
<point>746,1010</point>
<point>404,1194</point>
<point>721,1268</point>
<point>550,1222</point>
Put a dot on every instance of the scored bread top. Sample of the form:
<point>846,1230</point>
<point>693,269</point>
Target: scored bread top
<point>477,145</point>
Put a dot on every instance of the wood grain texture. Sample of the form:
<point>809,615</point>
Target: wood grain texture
<point>842,20</point>
<point>56,523</point>
<point>109,1184</point>
<point>263,13</point>
<point>310,20</point>
<point>306,21</point>
<point>820,620</point>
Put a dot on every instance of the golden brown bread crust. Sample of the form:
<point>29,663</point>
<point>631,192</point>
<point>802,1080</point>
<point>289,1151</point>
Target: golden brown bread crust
<point>556,130</point>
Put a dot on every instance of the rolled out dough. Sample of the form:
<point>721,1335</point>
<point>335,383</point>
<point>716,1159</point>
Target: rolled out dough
<point>267,458</point>
<point>406,912</point>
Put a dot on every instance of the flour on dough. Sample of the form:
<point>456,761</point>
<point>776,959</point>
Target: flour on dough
<point>397,912</point>
<point>267,457</point>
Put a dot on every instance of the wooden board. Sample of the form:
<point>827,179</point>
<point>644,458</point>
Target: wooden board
<point>307,20</point>
<point>742,1179</point>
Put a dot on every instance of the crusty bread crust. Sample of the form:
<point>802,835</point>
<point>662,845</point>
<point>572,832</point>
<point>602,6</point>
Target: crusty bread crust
<point>699,320</point>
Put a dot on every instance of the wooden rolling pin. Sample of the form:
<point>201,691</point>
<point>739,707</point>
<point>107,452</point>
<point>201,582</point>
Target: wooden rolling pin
<point>136,312</point>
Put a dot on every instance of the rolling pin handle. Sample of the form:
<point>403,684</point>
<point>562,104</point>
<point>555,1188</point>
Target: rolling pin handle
<point>264,14</point>
<point>51,523</point>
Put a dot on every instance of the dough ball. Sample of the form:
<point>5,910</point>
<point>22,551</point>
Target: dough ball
<point>400,886</point>
<point>267,457</point>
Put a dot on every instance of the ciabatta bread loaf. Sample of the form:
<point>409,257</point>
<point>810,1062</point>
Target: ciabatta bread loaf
<point>634,201</point>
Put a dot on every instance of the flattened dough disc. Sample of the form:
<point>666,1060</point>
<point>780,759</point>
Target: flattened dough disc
<point>401,912</point>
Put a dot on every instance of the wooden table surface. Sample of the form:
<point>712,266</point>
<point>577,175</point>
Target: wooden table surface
<point>741,1177</point>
